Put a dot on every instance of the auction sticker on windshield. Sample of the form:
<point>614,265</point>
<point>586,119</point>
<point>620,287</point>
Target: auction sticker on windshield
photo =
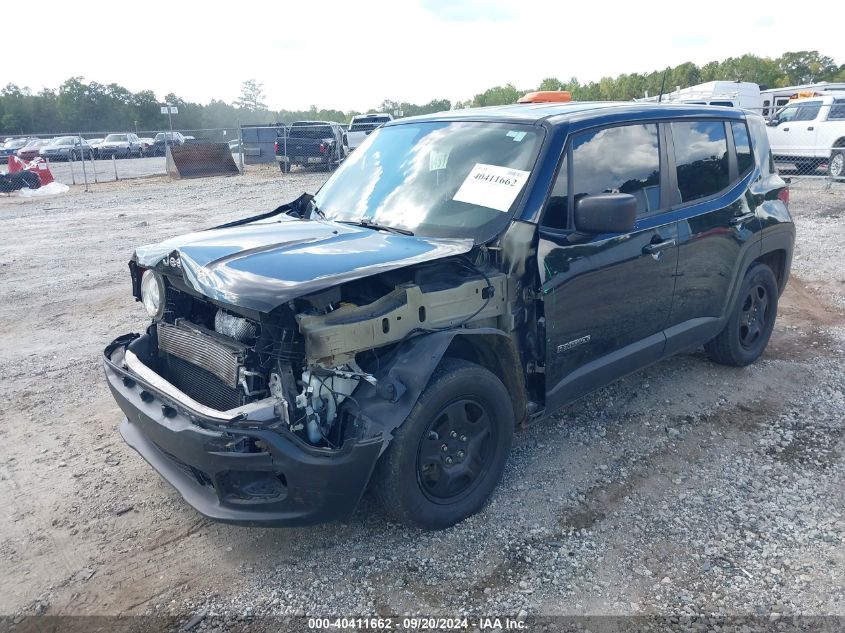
<point>492,186</point>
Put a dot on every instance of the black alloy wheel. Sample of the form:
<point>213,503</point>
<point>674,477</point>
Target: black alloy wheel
<point>455,450</point>
<point>446,458</point>
<point>754,315</point>
<point>750,322</point>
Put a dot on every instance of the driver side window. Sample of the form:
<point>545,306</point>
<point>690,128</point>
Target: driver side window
<point>621,159</point>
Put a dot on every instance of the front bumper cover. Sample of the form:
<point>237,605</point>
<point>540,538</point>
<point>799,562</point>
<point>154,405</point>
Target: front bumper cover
<point>288,483</point>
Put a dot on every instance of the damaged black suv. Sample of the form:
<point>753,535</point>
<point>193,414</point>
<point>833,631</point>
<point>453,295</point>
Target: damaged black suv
<point>458,275</point>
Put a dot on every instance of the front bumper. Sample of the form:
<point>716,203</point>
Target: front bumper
<point>288,483</point>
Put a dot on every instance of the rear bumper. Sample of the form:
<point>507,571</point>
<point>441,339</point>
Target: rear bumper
<point>322,159</point>
<point>287,483</point>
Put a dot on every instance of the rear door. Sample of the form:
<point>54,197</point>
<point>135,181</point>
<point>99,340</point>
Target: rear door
<point>709,161</point>
<point>831,127</point>
<point>606,298</point>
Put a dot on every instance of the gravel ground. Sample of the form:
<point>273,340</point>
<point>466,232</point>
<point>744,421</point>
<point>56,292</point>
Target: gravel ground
<point>686,488</point>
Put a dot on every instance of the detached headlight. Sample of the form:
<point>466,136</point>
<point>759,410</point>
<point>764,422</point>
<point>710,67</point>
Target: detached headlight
<point>152,294</point>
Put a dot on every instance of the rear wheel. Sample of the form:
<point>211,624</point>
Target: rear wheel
<point>750,325</point>
<point>836,164</point>
<point>448,455</point>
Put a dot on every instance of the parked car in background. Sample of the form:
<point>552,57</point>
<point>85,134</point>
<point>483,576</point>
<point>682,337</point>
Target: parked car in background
<point>163,139</point>
<point>810,132</point>
<point>94,143</point>
<point>66,148</point>
<point>147,145</point>
<point>463,273</point>
<point>311,143</point>
<point>32,148</point>
<point>120,146</point>
<point>11,146</point>
<point>362,125</point>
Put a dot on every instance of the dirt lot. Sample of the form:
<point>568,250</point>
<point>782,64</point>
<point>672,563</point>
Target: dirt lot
<point>685,488</point>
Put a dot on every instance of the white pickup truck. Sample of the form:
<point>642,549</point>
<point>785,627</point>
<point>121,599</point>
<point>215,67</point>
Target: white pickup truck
<point>809,132</point>
<point>361,125</point>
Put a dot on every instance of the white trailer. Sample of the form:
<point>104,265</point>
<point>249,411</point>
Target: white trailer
<point>775,98</point>
<point>735,94</point>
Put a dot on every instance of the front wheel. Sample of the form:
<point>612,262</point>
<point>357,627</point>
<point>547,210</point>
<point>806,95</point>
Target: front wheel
<point>836,164</point>
<point>448,455</point>
<point>751,322</point>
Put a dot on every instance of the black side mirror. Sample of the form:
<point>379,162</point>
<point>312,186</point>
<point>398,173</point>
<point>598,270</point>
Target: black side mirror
<point>606,213</point>
<point>773,122</point>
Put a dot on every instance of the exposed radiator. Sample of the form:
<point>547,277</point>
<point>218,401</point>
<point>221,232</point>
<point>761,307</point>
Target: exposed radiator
<point>212,352</point>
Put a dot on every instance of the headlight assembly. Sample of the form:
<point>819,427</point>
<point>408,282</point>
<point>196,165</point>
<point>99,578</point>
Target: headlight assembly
<point>152,294</point>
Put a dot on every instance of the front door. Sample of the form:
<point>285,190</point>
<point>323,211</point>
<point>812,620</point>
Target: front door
<point>795,132</point>
<point>606,298</point>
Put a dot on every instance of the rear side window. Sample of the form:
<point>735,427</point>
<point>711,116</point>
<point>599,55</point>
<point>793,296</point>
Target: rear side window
<point>744,159</point>
<point>701,158</point>
<point>837,110</point>
<point>624,159</point>
<point>310,131</point>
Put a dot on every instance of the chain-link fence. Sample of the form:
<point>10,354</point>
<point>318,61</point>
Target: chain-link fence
<point>89,158</point>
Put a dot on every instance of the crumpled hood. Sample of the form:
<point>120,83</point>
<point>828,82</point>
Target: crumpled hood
<point>265,263</point>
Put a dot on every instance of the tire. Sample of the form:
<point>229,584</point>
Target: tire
<point>751,322</point>
<point>836,164</point>
<point>466,409</point>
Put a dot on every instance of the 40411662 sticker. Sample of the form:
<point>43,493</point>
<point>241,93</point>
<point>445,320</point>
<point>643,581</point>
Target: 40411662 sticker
<point>492,186</point>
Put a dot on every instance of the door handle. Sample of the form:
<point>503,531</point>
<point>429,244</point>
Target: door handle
<point>741,219</point>
<point>786,129</point>
<point>658,246</point>
<point>810,129</point>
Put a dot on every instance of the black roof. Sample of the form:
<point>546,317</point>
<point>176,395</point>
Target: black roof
<point>554,113</point>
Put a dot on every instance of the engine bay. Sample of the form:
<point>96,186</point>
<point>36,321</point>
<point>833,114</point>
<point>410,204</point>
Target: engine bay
<point>310,354</point>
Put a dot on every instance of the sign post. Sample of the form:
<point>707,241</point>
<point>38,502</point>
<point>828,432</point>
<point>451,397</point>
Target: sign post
<point>169,110</point>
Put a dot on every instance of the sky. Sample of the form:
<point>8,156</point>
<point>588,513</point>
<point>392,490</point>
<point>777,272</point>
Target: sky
<point>353,55</point>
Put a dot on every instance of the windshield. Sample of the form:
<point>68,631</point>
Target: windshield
<point>14,143</point>
<point>115,138</point>
<point>64,140</point>
<point>435,178</point>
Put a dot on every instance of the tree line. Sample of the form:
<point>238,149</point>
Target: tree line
<point>77,106</point>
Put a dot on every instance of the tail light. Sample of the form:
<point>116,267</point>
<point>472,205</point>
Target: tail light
<point>276,146</point>
<point>322,148</point>
<point>783,196</point>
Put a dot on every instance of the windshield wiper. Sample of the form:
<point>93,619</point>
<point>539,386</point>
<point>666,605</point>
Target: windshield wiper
<point>366,222</point>
<point>317,210</point>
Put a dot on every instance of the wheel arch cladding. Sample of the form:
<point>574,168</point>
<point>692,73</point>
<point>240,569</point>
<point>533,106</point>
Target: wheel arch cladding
<point>386,406</point>
<point>776,260</point>
<point>497,353</point>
